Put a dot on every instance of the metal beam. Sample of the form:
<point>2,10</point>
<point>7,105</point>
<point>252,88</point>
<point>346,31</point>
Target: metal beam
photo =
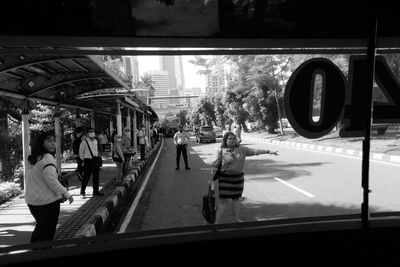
<point>109,44</point>
<point>63,83</point>
<point>133,103</point>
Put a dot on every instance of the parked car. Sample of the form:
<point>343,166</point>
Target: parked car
<point>206,133</point>
<point>218,131</point>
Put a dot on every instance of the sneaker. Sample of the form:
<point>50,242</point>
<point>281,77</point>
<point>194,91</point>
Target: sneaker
<point>83,196</point>
<point>187,168</point>
<point>177,168</point>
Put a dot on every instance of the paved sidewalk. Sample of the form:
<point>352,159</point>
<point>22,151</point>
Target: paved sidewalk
<point>17,223</point>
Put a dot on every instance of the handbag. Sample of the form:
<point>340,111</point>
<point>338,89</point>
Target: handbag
<point>209,209</point>
<point>98,161</point>
<point>116,158</point>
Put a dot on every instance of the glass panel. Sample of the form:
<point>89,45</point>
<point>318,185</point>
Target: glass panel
<point>385,149</point>
<point>317,97</point>
<point>239,93</point>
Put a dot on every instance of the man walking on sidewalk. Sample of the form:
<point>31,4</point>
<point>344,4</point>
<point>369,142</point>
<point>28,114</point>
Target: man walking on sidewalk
<point>88,149</point>
<point>181,140</point>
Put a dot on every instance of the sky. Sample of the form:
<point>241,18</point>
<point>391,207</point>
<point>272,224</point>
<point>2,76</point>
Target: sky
<point>192,79</point>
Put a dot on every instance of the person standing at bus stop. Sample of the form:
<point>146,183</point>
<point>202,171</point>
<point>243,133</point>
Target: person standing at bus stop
<point>43,191</point>
<point>142,141</point>
<point>88,149</point>
<point>181,140</point>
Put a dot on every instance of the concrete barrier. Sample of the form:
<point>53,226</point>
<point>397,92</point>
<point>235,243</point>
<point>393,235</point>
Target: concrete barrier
<point>100,218</point>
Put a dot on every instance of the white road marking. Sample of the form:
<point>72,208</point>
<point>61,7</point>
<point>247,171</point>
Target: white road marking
<point>347,155</point>
<point>294,187</point>
<point>128,217</point>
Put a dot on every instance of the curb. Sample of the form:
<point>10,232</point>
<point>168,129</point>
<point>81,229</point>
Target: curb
<point>329,149</point>
<point>103,214</point>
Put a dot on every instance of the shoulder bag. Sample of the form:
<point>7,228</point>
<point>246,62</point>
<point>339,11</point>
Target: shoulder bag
<point>209,209</point>
<point>116,157</point>
<point>98,161</point>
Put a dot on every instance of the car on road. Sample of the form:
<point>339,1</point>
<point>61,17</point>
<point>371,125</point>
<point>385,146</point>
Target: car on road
<point>206,134</point>
<point>218,131</point>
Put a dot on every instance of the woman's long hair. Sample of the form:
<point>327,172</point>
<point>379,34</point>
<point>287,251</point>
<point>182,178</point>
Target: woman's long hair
<point>38,150</point>
<point>225,138</point>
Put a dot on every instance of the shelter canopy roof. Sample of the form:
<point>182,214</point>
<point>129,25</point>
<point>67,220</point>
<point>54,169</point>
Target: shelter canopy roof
<point>66,80</point>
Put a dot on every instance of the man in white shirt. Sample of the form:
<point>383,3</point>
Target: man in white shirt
<point>181,140</point>
<point>87,150</point>
<point>141,135</point>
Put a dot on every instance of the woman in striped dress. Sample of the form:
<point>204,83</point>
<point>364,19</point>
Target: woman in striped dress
<point>231,157</point>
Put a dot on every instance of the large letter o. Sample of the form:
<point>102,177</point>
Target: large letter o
<point>299,92</point>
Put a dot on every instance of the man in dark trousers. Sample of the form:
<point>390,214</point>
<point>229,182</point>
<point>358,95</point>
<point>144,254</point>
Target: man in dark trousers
<point>88,149</point>
<point>181,140</point>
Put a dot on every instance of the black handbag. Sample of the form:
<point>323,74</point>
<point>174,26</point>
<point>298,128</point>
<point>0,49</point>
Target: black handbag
<point>98,161</point>
<point>116,157</point>
<point>209,209</point>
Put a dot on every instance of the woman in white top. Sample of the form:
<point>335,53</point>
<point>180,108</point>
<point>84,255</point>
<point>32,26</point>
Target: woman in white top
<point>230,163</point>
<point>43,191</point>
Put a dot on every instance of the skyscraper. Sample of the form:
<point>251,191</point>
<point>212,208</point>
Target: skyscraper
<point>173,65</point>
<point>216,81</point>
<point>159,80</point>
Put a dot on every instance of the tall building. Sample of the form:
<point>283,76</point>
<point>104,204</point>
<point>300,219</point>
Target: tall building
<point>173,65</point>
<point>216,81</point>
<point>159,80</point>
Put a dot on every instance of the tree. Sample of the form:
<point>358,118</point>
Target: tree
<point>265,75</point>
<point>205,108</point>
<point>182,117</point>
<point>7,149</point>
<point>220,110</point>
<point>115,63</point>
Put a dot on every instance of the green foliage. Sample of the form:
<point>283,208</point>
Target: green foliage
<point>9,190</point>
<point>182,117</point>
<point>205,108</point>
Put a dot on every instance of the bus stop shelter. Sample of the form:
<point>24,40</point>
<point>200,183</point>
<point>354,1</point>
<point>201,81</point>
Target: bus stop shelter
<point>67,81</point>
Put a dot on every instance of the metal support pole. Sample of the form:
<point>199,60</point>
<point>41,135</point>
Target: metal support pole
<point>368,109</point>
<point>58,133</point>
<point>119,118</point>
<point>92,120</point>
<point>25,138</point>
<point>111,130</point>
<point>78,121</point>
<point>128,119</point>
<point>134,133</point>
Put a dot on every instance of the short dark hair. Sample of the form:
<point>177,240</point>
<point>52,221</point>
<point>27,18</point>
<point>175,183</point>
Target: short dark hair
<point>90,129</point>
